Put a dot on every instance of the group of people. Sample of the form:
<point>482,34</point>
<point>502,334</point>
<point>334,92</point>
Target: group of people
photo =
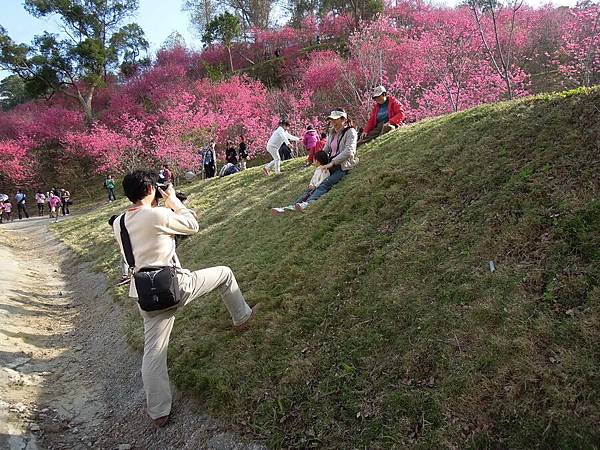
<point>235,158</point>
<point>57,200</point>
<point>147,234</point>
<point>334,153</point>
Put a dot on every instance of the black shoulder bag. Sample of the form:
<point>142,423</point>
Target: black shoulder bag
<point>157,286</point>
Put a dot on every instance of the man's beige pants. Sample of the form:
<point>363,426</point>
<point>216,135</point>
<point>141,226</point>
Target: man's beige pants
<point>158,326</point>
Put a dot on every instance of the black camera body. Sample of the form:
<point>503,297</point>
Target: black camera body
<point>164,187</point>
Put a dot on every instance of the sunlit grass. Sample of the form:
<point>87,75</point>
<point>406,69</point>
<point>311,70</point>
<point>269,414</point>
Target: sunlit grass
<point>383,326</point>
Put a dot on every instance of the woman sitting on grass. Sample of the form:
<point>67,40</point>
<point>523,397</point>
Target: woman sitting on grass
<point>321,173</point>
<point>341,146</point>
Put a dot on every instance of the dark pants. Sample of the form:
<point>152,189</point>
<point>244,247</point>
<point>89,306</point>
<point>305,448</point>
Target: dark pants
<point>40,209</point>
<point>379,130</point>
<point>327,184</point>
<point>22,209</point>
<point>65,207</point>
<point>209,171</point>
<point>307,193</point>
<point>111,194</point>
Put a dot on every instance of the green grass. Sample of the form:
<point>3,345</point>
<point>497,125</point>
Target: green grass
<point>383,326</point>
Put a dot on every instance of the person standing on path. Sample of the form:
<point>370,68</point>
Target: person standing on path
<point>54,206</point>
<point>152,232</point>
<point>21,199</point>
<point>109,185</point>
<point>386,115</point>
<point>40,199</point>
<point>8,210</point>
<point>65,199</point>
<point>279,137</point>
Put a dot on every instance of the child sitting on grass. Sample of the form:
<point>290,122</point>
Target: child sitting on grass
<point>321,173</point>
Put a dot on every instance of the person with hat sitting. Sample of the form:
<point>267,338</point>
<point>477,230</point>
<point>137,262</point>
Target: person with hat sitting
<point>341,149</point>
<point>386,115</point>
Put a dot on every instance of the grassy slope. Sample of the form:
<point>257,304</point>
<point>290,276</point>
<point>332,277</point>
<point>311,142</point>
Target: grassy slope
<point>383,325</point>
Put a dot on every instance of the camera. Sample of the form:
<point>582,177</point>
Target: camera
<point>164,187</point>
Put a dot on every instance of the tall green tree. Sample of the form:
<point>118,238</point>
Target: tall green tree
<point>252,13</point>
<point>12,92</point>
<point>300,9</point>
<point>224,28</point>
<point>96,41</point>
<point>360,9</point>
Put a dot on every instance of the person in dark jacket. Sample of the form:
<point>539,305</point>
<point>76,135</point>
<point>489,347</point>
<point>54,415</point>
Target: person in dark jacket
<point>209,160</point>
<point>21,199</point>
<point>386,115</point>
<point>231,153</point>
<point>285,152</point>
<point>243,153</point>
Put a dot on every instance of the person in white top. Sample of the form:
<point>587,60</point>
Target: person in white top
<point>40,199</point>
<point>152,230</point>
<point>279,137</point>
<point>321,173</point>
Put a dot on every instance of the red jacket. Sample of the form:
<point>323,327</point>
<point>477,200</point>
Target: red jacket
<point>395,113</point>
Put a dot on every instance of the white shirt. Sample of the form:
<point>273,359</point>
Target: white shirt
<point>279,137</point>
<point>320,174</point>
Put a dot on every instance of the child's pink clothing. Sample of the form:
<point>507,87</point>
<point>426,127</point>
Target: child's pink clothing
<point>54,201</point>
<point>310,140</point>
<point>8,207</point>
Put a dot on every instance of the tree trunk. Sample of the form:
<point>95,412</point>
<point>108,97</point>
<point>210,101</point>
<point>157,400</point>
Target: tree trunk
<point>230,58</point>
<point>86,105</point>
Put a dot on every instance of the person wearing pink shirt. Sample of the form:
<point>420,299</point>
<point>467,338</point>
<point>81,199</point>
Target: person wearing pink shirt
<point>54,206</point>
<point>40,199</point>
<point>7,210</point>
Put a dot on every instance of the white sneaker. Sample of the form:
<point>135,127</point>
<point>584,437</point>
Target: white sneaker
<point>301,206</point>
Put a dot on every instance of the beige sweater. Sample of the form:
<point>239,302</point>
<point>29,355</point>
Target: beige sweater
<point>152,232</point>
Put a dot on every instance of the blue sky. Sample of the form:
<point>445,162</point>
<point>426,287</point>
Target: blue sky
<point>158,19</point>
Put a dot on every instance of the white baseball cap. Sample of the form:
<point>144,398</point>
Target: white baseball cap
<point>379,90</point>
<point>337,113</point>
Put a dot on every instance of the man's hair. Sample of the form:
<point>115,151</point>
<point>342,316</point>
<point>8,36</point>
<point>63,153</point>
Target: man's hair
<point>136,184</point>
<point>322,157</point>
<point>284,123</point>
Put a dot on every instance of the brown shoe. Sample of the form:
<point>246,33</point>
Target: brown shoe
<point>160,422</point>
<point>245,325</point>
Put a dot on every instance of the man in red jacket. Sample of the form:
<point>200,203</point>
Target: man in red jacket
<point>386,115</point>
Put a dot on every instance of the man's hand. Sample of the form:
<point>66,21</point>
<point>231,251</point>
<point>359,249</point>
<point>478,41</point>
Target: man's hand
<point>169,193</point>
<point>363,135</point>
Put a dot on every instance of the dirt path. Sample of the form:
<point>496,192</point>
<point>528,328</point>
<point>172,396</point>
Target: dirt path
<point>68,379</point>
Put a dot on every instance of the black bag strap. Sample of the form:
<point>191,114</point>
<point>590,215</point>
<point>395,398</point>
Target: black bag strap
<point>126,242</point>
<point>344,131</point>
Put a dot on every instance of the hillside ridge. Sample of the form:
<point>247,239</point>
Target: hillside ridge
<point>383,326</point>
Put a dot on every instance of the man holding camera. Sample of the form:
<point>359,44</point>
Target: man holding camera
<point>147,232</point>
